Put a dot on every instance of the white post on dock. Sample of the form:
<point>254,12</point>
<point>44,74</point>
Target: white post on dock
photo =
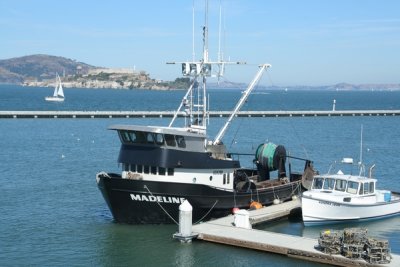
<point>242,219</point>
<point>185,234</point>
<point>334,105</point>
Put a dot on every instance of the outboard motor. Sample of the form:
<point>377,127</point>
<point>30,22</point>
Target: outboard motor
<point>270,157</point>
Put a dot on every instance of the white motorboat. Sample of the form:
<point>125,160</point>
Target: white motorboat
<point>340,197</point>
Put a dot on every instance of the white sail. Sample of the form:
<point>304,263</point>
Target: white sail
<point>60,91</point>
<point>55,90</point>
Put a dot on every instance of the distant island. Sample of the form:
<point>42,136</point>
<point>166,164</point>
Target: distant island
<point>40,70</point>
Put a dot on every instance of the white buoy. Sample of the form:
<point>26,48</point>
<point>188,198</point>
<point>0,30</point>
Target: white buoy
<point>276,201</point>
<point>185,234</point>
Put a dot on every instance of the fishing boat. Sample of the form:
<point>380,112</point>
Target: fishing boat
<point>58,94</point>
<point>162,166</point>
<point>342,198</point>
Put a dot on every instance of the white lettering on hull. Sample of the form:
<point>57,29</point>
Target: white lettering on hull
<point>160,199</point>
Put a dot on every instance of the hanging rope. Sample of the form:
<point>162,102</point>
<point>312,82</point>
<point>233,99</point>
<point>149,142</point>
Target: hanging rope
<point>145,186</point>
<point>273,191</point>
<point>234,198</point>
<point>215,203</point>
<point>290,122</point>
<point>297,189</point>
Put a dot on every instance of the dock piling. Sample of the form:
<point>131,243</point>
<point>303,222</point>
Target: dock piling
<point>185,234</point>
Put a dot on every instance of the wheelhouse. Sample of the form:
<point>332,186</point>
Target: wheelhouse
<point>351,184</point>
<point>154,153</point>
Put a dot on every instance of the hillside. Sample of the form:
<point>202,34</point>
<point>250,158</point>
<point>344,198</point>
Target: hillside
<point>40,71</point>
<point>39,68</point>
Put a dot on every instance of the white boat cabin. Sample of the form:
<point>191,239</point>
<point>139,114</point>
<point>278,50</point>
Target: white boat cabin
<point>347,184</point>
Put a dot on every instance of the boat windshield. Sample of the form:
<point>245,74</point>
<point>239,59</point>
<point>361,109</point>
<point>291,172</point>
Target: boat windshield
<point>329,183</point>
<point>340,185</point>
<point>352,187</point>
<point>317,183</point>
<point>140,137</point>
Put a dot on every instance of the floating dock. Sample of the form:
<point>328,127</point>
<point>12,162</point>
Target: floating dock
<point>223,231</point>
<point>170,114</point>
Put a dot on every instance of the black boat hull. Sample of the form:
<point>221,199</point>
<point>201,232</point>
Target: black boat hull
<point>150,202</point>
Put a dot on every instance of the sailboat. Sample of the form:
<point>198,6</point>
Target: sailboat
<point>162,166</point>
<point>58,94</point>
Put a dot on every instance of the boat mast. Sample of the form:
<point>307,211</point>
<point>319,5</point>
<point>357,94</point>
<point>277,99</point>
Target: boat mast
<point>361,144</point>
<point>361,166</point>
<point>196,70</point>
<point>240,103</point>
<point>195,100</point>
<point>205,62</point>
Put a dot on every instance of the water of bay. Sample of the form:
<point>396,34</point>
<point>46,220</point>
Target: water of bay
<point>52,213</point>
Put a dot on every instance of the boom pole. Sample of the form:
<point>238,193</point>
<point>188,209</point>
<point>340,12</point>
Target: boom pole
<point>241,102</point>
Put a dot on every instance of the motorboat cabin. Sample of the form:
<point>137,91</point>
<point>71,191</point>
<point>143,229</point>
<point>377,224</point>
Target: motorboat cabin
<point>337,198</point>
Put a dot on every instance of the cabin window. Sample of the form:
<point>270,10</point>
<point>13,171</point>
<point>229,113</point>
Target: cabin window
<point>371,187</point>
<point>170,171</point>
<point>139,168</point>
<point>317,183</point>
<point>141,138</point>
<point>329,184</point>
<point>125,136</point>
<point>366,189</point>
<point>361,189</point>
<point>228,178</point>
<point>153,170</point>
<point>138,137</point>
<point>150,138</point>
<point>181,141</point>
<point>146,169</point>
<point>161,171</point>
<point>340,185</point>
<point>224,178</point>
<point>170,140</point>
<point>352,187</point>
<point>159,138</point>
<point>129,136</point>
<point>126,167</point>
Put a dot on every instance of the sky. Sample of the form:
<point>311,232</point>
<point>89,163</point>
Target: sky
<point>308,42</point>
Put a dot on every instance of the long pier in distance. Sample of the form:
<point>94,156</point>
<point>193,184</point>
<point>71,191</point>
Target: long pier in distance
<point>170,114</point>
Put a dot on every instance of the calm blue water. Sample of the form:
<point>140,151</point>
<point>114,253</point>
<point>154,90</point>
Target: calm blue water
<point>52,213</point>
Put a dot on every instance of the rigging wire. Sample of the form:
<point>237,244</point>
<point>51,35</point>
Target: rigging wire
<point>297,136</point>
<point>246,108</point>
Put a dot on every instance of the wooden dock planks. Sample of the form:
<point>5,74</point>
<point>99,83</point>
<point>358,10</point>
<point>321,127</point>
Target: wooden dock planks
<point>224,232</point>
